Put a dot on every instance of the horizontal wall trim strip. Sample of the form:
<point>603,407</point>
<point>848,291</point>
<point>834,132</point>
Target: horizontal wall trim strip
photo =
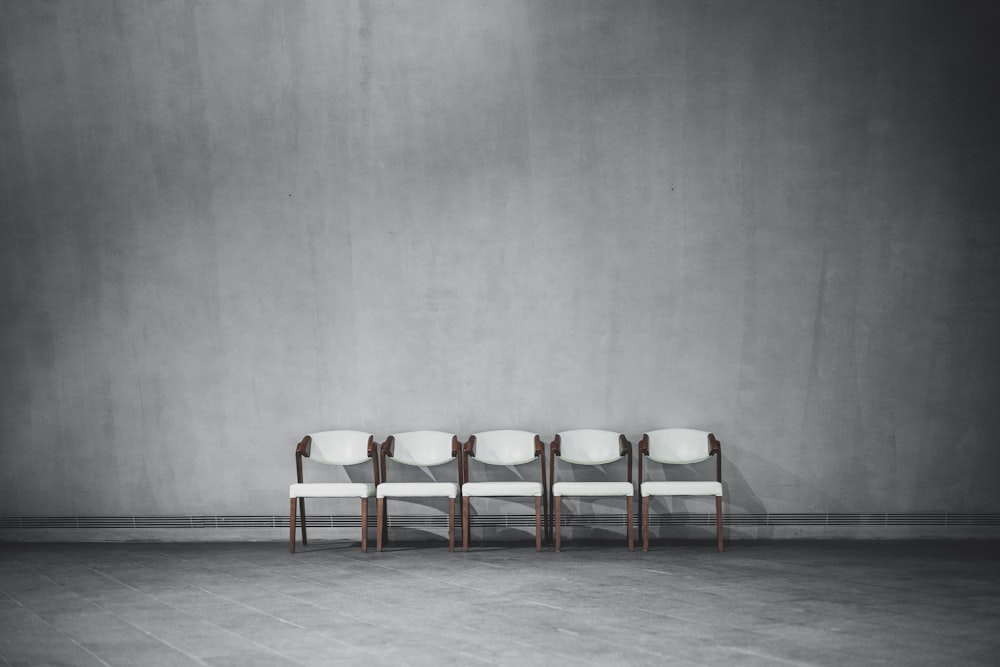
<point>498,520</point>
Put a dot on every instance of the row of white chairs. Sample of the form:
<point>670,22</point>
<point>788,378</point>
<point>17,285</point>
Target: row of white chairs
<point>592,447</point>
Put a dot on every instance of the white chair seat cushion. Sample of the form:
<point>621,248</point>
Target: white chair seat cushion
<point>502,489</point>
<point>417,490</point>
<point>680,489</point>
<point>593,489</point>
<point>331,490</point>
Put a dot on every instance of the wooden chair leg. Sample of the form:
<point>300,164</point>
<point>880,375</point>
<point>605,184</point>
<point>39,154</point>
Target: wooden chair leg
<point>451,524</point>
<point>379,523</point>
<point>302,511</point>
<point>645,523</point>
<point>639,522</point>
<point>718,520</point>
<point>558,503</point>
<point>465,523</point>
<point>385,519</point>
<point>548,519</point>
<point>538,523</point>
<point>291,527</point>
<point>628,527</point>
<point>364,525</point>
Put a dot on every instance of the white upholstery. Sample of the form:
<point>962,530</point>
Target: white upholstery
<point>502,489</point>
<point>417,490</point>
<point>423,448</point>
<point>506,447</point>
<point>589,446</point>
<point>605,489</point>
<point>331,490</point>
<point>339,447</point>
<point>680,489</point>
<point>678,445</point>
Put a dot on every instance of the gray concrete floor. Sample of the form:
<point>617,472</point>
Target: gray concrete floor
<point>772,603</point>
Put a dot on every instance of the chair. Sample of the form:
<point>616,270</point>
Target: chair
<point>592,447</point>
<point>680,446</point>
<point>504,448</point>
<point>419,448</point>
<point>340,448</point>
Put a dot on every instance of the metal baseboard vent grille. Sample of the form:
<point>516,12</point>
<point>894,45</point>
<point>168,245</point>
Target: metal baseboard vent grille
<point>494,520</point>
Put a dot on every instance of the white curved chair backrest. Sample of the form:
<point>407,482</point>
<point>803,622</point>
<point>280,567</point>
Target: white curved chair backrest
<point>589,446</point>
<point>341,448</point>
<point>423,448</point>
<point>506,447</point>
<point>678,445</point>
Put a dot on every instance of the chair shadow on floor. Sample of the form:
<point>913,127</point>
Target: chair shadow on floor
<point>592,537</point>
<point>319,543</point>
<point>403,539</point>
<point>416,539</point>
<point>501,538</point>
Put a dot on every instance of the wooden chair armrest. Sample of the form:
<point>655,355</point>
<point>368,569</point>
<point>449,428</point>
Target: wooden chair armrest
<point>554,451</point>
<point>386,450</point>
<point>388,447</point>
<point>373,455</point>
<point>715,447</point>
<point>625,449</point>
<point>304,448</point>
<point>643,451</point>
<point>469,449</point>
<point>540,455</point>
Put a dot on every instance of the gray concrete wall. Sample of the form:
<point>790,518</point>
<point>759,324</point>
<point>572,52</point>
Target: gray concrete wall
<point>226,224</point>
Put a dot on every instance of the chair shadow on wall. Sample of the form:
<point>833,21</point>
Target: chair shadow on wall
<point>734,486</point>
<point>590,534</point>
<point>411,538</point>
<point>355,474</point>
<point>502,537</point>
<point>741,497</point>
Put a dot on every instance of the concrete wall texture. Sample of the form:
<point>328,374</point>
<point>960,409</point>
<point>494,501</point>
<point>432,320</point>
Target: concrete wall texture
<point>226,224</point>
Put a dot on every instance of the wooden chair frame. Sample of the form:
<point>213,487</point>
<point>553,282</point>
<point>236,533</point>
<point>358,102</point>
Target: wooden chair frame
<point>469,451</point>
<point>714,449</point>
<point>624,449</point>
<point>304,450</point>
<point>386,451</point>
